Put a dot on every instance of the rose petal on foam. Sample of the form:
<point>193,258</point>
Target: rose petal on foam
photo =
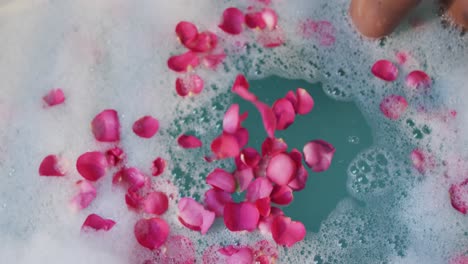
<point>212,61</point>
<point>282,195</point>
<point>232,21</point>
<point>51,166</point>
<point>418,160</point>
<point>258,189</point>
<point>216,199</point>
<point>273,146</point>
<point>268,118</point>
<point>286,232</point>
<point>87,193</point>
<point>186,31</point>
<point>114,156</point>
<point>318,155</point>
<point>190,85</point>
<point>231,120</point>
<point>281,169</point>
<point>203,42</point>
<point>106,126</point>
<point>459,260</point>
<point>270,18</point>
<point>194,216</point>
<point>243,178</point>
<point>131,176</point>
<point>418,80</point>
<point>146,127</point>
<point>176,250</point>
<point>156,203</point>
<point>183,62</point>
<point>385,70</point>
<point>265,251</point>
<point>322,31</point>
<point>189,141</point>
<point>96,222</point>
<point>151,233</point>
<point>242,255</point>
<point>264,206</point>
<point>133,199</point>
<point>284,112</point>
<point>254,20</point>
<point>54,97</point>
<point>92,165</point>
<point>241,88</point>
<point>459,197</point>
<point>225,146</point>
<point>272,39</point>
<point>242,216</point>
<point>222,180</point>
<point>158,167</point>
<point>393,106</point>
<point>305,102</point>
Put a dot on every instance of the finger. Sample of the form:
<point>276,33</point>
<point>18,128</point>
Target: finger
<point>458,12</point>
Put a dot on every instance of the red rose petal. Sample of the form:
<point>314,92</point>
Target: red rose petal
<point>51,166</point>
<point>264,206</point>
<point>393,106</point>
<point>133,199</point>
<point>284,112</point>
<point>216,199</point>
<point>114,156</point>
<point>54,97</point>
<point>241,216</point>
<point>281,169</point>
<point>183,62</point>
<point>459,196</point>
<point>231,120</point>
<point>258,189</point>
<point>255,20</point>
<point>385,70</point>
<point>241,88</point>
<point>156,203</point>
<point>186,31</point>
<point>250,157</point>
<point>418,80</point>
<point>96,222</point>
<point>286,232</point>
<point>193,216</point>
<point>106,126</point>
<point>151,233</point>
<point>203,42</point>
<point>92,165</point>
<point>318,155</point>
<point>282,195</point>
<point>305,102</point>
<point>273,146</point>
<point>222,180</point>
<point>268,118</point>
<point>243,178</point>
<point>232,21</point>
<point>225,146</point>
<point>85,196</point>
<point>146,127</point>
<point>188,142</point>
<point>159,165</point>
<point>191,85</point>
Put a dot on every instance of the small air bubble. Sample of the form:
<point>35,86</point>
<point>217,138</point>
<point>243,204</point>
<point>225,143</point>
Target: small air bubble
<point>353,139</point>
<point>417,134</point>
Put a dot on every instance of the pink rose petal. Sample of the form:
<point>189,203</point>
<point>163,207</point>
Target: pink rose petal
<point>203,42</point>
<point>133,199</point>
<point>231,120</point>
<point>156,203</point>
<point>305,102</point>
<point>264,206</point>
<point>318,155</point>
<point>51,166</point>
<point>225,146</point>
<point>151,233</point>
<point>266,252</point>
<point>243,178</point>
<point>270,18</point>
<point>243,255</point>
<point>212,61</point>
<point>300,179</point>
<point>186,31</point>
<point>183,62</point>
<point>418,80</point>
<point>96,222</point>
<point>258,189</point>
<point>92,165</point>
<point>250,157</point>
<point>241,88</point>
<point>282,195</point>
<point>393,106</point>
<point>459,260</point>
<point>281,169</point>
<point>418,160</point>
<point>322,31</point>
<point>242,216</point>
<point>385,70</point>
<point>255,20</point>
<point>222,180</point>
<point>268,118</point>
<point>292,97</point>
<point>176,250</point>
<point>459,196</point>
<point>242,137</point>
<point>54,97</point>
<point>216,199</point>
<point>85,196</point>
<point>146,127</point>
<point>232,21</point>
<point>273,146</point>
<point>106,126</point>
<point>265,222</point>
<point>193,216</point>
<point>115,156</point>
<point>132,177</point>
<point>189,86</point>
<point>158,167</point>
<point>272,39</point>
<point>189,142</point>
<point>284,112</point>
<point>286,232</point>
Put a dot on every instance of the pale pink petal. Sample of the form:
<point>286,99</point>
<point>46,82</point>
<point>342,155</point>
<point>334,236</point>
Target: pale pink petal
<point>418,80</point>
<point>231,120</point>
<point>203,42</point>
<point>85,196</point>
<point>264,206</point>
<point>186,31</point>
<point>284,112</point>
<point>232,21</point>
<point>242,137</point>
<point>241,88</point>
<point>459,196</point>
<point>190,85</point>
<point>225,146</point>
<point>51,165</point>
<point>132,177</point>
<point>385,70</point>
<point>158,167</point>
<point>183,62</point>
<point>393,106</point>
<point>189,141</point>
<point>176,250</point>
<point>54,97</point>
<point>193,216</point>
<point>273,38</point>
<point>151,233</point>
<point>212,61</point>
<point>242,216</point>
<point>268,118</point>
<point>96,222</point>
<point>156,203</point>
<point>258,189</point>
<point>282,195</point>
<point>216,199</point>
<point>92,165</point>
<point>146,127</point>
<point>114,156</point>
<point>243,255</point>
<point>106,126</point>
<point>281,169</point>
<point>270,18</point>
<point>264,226</point>
<point>402,57</point>
<point>273,146</point>
<point>286,232</point>
<point>305,102</point>
<point>243,178</point>
<point>318,155</point>
<point>222,180</point>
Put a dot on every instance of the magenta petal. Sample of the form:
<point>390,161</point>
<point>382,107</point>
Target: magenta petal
<point>106,126</point>
<point>133,177</point>
<point>418,80</point>
<point>318,155</point>
<point>393,106</point>
<point>284,112</point>
<point>242,137</point>
<point>231,120</point>
<point>186,31</point>
<point>241,216</point>
<point>258,189</point>
<point>193,216</point>
<point>151,233</point>
<point>292,97</point>
<point>282,195</point>
<point>133,199</point>
<point>385,70</point>
<point>159,165</point>
<point>222,180</point>
<point>273,146</point>
<point>188,141</point>
<point>265,223</point>
<point>250,157</point>
<point>264,206</point>
<point>268,118</point>
<point>225,146</point>
<point>281,169</point>
<point>54,97</point>
<point>305,102</point>
<point>191,85</point>
<point>418,160</point>
<point>51,166</point>
<point>203,42</point>
<point>146,127</point>
<point>232,21</point>
<point>96,222</point>
<point>459,197</point>
<point>459,260</point>
<point>156,203</point>
<point>243,178</point>
<point>242,255</point>
<point>114,156</point>
<point>183,62</point>
<point>92,165</point>
<point>255,20</point>
<point>85,196</point>
<point>212,61</point>
<point>216,199</point>
<point>241,88</point>
<point>286,232</point>
<point>300,180</point>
